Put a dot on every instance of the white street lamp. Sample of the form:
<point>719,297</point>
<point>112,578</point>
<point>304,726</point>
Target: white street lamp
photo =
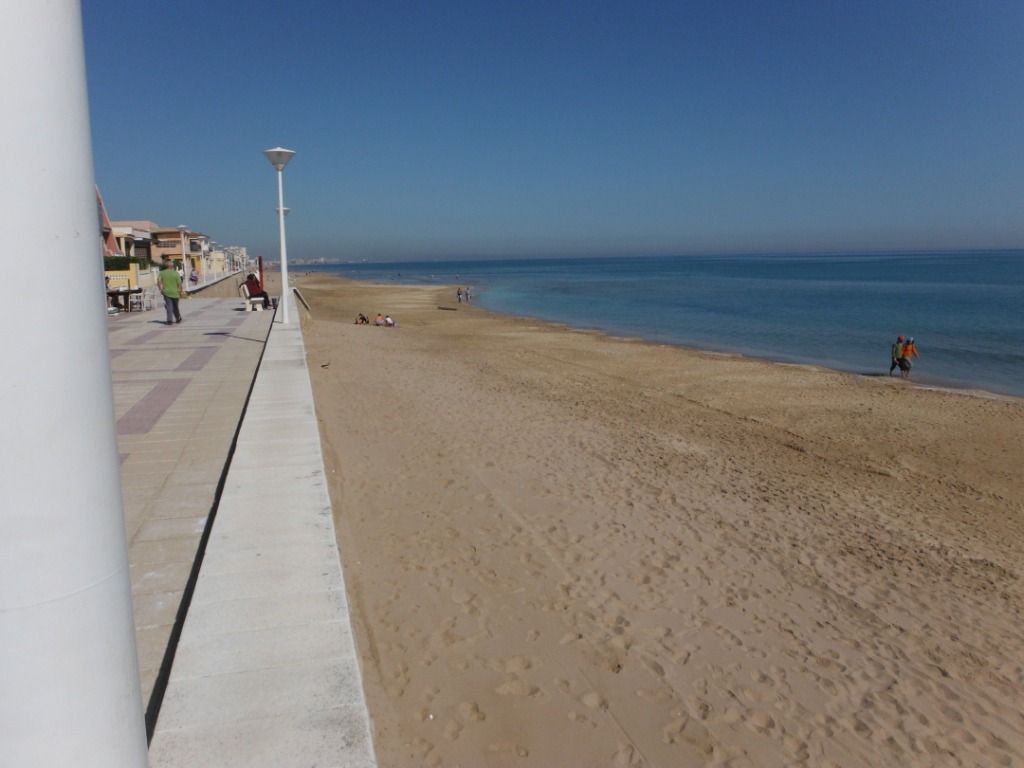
<point>183,229</point>
<point>279,157</point>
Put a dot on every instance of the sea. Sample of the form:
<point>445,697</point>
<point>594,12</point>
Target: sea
<point>965,310</point>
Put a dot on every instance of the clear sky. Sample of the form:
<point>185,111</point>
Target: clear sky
<point>435,129</point>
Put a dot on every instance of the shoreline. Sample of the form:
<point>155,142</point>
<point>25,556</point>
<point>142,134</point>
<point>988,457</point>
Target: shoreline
<point>927,381</point>
<point>927,384</point>
<point>950,388</point>
<point>568,548</point>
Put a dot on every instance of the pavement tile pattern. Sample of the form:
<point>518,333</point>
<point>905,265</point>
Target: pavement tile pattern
<point>179,392</point>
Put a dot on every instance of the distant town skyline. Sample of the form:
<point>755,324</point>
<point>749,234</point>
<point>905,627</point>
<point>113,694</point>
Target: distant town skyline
<point>454,130</point>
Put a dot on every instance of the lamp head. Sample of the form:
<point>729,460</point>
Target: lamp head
<point>279,156</point>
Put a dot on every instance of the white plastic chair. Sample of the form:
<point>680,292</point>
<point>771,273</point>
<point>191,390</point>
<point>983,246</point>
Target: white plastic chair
<point>136,302</point>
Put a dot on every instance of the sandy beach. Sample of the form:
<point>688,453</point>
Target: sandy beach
<point>565,549</point>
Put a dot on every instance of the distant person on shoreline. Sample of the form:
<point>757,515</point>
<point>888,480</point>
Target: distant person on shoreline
<point>465,294</point>
<point>379,319</point>
<point>172,288</point>
<point>909,351</point>
<point>252,285</point>
<point>362,319</point>
<point>458,294</point>
<point>389,322</point>
<point>896,353</point>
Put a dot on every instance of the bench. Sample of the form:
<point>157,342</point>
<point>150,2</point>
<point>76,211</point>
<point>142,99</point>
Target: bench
<point>251,305</point>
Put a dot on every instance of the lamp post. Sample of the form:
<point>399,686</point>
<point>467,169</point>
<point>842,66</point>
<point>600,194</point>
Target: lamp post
<point>279,157</point>
<point>182,229</point>
<point>214,259</point>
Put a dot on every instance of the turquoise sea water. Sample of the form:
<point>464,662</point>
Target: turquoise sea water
<point>966,310</point>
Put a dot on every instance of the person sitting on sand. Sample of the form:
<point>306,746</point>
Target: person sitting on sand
<point>909,351</point>
<point>379,319</point>
<point>388,322</point>
<point>896,353</point>
<point>362,319</point>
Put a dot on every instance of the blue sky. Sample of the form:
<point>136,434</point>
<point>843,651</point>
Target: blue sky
<point>434,129</point>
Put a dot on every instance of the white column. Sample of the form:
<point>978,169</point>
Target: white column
<point>69,685</point>
<point>184,258</point>
<point>285,291</point>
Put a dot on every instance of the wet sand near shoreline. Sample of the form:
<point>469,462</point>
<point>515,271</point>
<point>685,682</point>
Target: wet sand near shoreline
<point>566,549</point>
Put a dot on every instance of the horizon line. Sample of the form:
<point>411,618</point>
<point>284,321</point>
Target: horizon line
<point>606,255</point>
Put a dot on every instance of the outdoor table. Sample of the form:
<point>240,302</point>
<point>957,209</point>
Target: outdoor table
<point>119,297</point>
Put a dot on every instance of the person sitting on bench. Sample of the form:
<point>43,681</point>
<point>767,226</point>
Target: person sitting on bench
<point>252,285</point>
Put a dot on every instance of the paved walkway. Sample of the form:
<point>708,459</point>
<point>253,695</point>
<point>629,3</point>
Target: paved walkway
<point>266,671</point>
<point>178,395</point>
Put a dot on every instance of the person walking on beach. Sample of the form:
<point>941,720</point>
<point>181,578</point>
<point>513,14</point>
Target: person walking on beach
<point>909,351</point>
<point>171,286</point>
<point>458,294</point>
<point>896,353</point>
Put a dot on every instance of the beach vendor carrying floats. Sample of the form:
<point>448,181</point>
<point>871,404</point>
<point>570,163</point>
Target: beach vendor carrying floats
<point>903,349</point>
<point>909,351</point>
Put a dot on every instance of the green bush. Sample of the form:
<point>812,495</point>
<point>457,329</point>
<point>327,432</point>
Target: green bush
<point>111,263</point>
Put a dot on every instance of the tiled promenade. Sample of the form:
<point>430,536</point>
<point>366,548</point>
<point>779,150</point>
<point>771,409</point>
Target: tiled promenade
<point>266,672</point>
<point>178,394</point>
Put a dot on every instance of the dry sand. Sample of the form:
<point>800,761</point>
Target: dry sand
<point>564,549</point>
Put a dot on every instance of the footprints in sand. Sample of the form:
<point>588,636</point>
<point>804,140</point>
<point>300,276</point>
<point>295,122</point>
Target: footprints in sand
<point>466,713</point>
<point>509,748</point>
<point>684,729</point>
<point>465,600</point>
<point>517,664</point>
<point>514,684</point>
<point>627,756</point>
<point>578,718</point>
<point>676,601</point>
<point>516,687</point>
